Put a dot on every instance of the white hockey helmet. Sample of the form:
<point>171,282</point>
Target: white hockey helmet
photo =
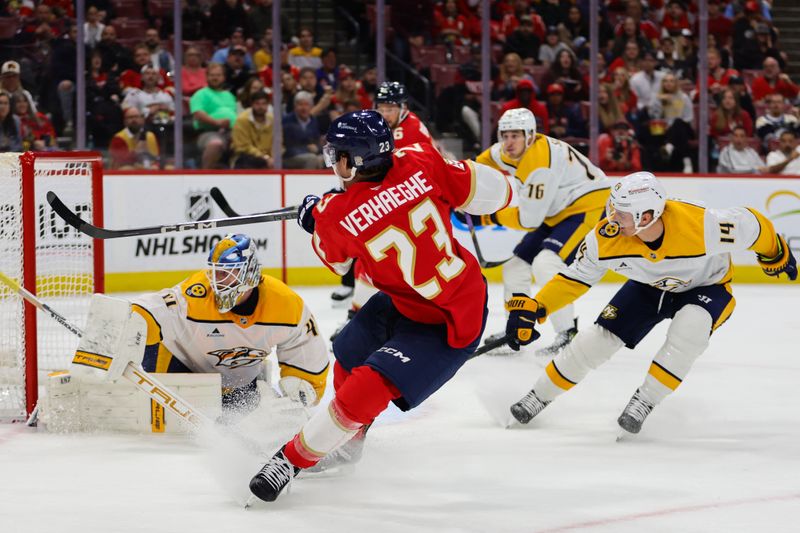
<point>637,194</point>
<point>520,118</point>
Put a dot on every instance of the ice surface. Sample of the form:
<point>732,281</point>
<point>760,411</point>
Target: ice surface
<point>721,454</point>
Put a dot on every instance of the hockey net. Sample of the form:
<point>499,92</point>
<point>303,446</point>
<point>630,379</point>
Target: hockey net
<point>49,258</point>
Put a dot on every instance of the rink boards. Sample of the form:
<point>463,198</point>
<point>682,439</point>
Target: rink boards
<point>145,263</point>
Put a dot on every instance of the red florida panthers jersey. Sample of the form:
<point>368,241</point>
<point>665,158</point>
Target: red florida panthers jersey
<point>411,130</point>
<point>399,230</point>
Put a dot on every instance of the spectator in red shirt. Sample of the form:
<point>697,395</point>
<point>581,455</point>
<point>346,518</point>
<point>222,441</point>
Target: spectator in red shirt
<point>649,30</point>
<point>349,89</point>
<point>36,129</point>
<point>450,26</point>
<point>720,26</point>
<point>622,91</point>
<point>773,81</point>
<point>618,150</point>
<point>675,18</point>
<point>522,8</point>
<point>193,74</point>
<point>131,78</point>
<point>728,116</point>
<point>629,60</point>
<point>718,76</point>
<point>630,32</point>
<point>527,98</point>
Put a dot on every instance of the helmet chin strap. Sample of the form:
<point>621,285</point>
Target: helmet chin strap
<point>343,179</point>
<point>642,228</point>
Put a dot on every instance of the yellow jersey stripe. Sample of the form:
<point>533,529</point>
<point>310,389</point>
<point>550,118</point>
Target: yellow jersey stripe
<point>728,311</point>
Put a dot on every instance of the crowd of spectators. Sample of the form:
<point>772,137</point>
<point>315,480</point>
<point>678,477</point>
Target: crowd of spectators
<point>647,84</point>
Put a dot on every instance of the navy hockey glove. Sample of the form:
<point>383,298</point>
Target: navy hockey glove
<point>523,313</point>
<point>783,262</point>
<point>477,220</point>
<point>305,215</point>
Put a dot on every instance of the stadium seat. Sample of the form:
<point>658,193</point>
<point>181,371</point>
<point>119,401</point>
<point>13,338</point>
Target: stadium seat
<point>160,8</point>
<point>8,27</point>
<point>129,28</point>
<point>537,73</point>
<point>128,8</point>
<point>425,56</point>
<point>461,54</point>
<point>443,76</point>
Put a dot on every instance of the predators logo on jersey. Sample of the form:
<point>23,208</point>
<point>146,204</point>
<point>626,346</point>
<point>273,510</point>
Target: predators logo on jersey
<point>197,290</point>
<point>610,230</point>
<point>239,357</point>
<point>670,283</point>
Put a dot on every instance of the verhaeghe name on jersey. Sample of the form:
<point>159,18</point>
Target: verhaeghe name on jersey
<point>191,244</point>
<point>383,203</point>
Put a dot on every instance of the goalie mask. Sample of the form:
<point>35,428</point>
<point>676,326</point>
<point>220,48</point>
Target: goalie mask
<point>233,269</point>
<point>637,194</point>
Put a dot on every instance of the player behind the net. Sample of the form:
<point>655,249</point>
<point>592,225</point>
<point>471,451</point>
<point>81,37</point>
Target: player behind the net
<point>226,319</point>
<point>391,101</point>
<point>561,197</point>
<point>410,338</point>
<point>676,256</point>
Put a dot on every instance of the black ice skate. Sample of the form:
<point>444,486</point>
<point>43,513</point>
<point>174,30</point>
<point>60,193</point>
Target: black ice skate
<point>341,295</point>
<point>563,338</point>
<point>273,477</point>
<point>528,407</point>
<point>633,416</point>
<point>344,456</point>
<point>350,314</point>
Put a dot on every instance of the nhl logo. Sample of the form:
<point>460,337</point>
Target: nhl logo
<point>199,206</point>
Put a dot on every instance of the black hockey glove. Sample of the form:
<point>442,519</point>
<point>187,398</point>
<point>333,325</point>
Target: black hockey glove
<point>477,220</point>
<point>783,263</point>
<point>523,313</point>
<point>305,215</point>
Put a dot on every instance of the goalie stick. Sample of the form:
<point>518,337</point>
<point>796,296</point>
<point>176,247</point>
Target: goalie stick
<point>133,371</point>
<point>74,220</point>
<point>223,204</point>
<point>481,261</point>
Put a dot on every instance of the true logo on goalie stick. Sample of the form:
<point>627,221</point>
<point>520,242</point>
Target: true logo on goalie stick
<point>239,356</point>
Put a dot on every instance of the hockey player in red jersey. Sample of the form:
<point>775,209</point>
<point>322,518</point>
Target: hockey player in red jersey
<point>414,335</point>
<point>407,128</point>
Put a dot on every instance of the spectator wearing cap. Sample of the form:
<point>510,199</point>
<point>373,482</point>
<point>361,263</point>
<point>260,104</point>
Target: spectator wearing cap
<point>133,147</point>
<point>746,50</point>
<point>787,154</point>
<point>668,58</point>
<point>301,135</point>
<point>526,97</point>
<point>775,121</point>
<point>687,52</point>
<point>739,157</point>
<point>349,89</point>
<point>328,73</point>
<point>159,57</point>
<point>618,150</point>
<point>10,137</point>
<point>565,118</point>
<point>236,71</point>
<point>131,78</point>
<point>150,100</point>
<point>214,111</point>
<point>522,12</point>
<point>670,128</point>
<point>719,25</point>
<point>773,81</point>
<point>551,47</point>
<point>225,17</point>
<point>305,54</point>
<point>10,83</point>
<point>564,71</point>
<point>766,36</point>
<point>524,41</point>
<point>252,134</point>
<point>236,40</point>
<point>647,82</point>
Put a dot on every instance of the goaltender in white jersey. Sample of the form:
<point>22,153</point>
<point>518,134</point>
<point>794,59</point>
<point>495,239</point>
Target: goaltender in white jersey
<point>561,196</point>
<point>227,319</point>
<point>677,258</point>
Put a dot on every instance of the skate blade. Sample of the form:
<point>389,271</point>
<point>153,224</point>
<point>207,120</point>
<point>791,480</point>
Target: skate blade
<point>625,435</point>
<point>250,501</point>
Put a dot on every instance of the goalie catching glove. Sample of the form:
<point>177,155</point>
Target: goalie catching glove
<point>523,313</point>
<point>783,262</point>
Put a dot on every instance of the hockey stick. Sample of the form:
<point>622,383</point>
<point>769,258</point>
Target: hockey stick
<point>133,371</point>
<point>223,204</point>
<point>481,261</point>
<point>490,345</point>
<point>96,232</point>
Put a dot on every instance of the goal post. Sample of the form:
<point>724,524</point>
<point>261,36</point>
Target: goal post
<point>50,259</point>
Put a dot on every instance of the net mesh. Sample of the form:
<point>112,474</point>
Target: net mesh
<point>64,269</point>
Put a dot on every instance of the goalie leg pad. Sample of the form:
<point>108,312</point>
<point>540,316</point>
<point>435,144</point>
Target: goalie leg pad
<point>687,338</point>
<point>545,265</point>
<point>589,349</point>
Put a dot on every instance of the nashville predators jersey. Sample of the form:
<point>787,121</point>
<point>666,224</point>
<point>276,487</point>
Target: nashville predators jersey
<point>554,181</point>
<point>495,157</point>
<point>185,323</point>
<point>694,251</point>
